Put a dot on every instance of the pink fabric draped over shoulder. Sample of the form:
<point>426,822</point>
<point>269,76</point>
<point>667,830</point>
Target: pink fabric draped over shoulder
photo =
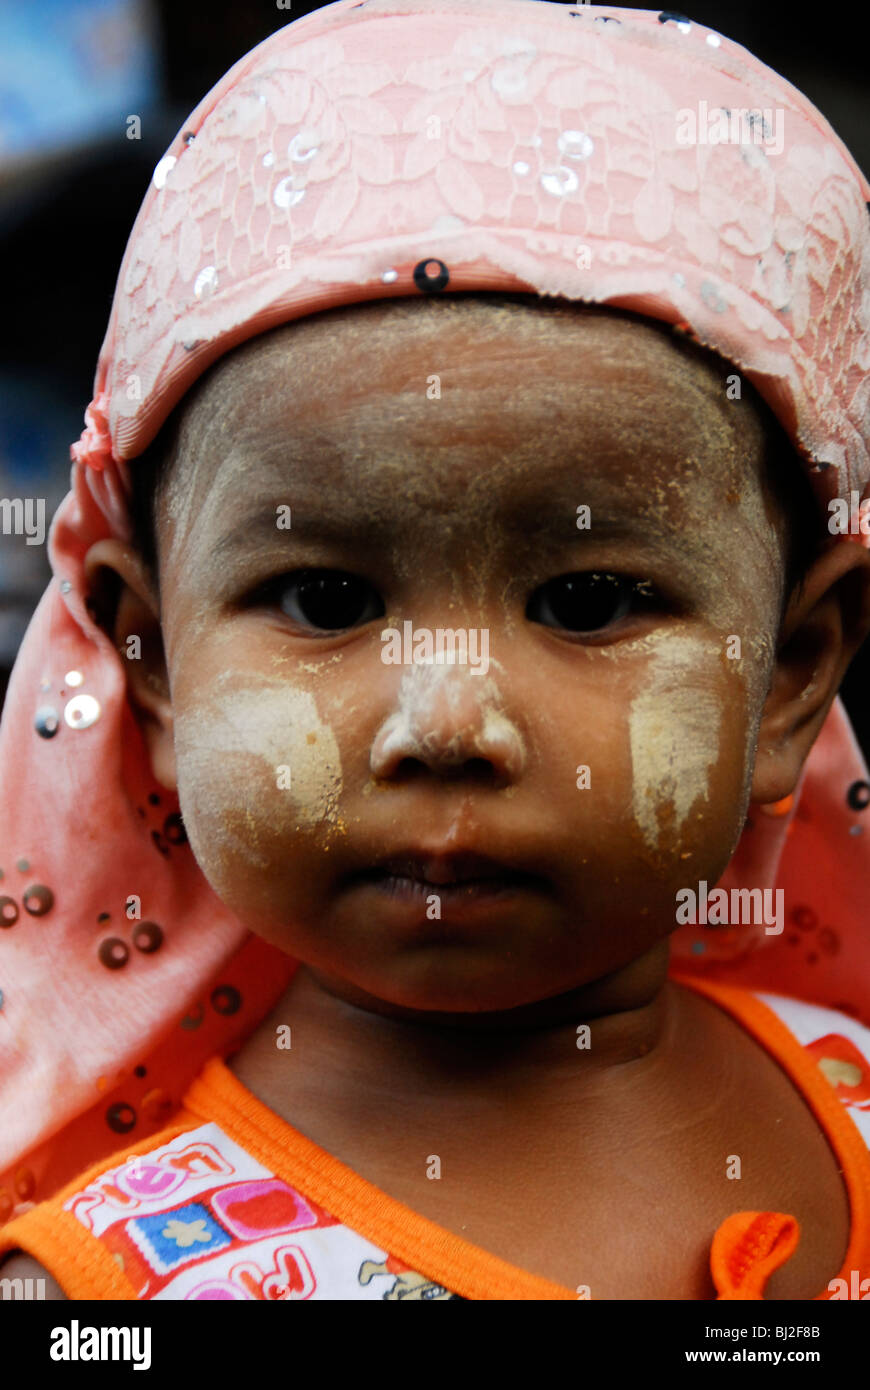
<point>408,147</point>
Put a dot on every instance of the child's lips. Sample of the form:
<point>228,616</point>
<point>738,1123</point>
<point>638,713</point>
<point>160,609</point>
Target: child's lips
<point>454,875</point>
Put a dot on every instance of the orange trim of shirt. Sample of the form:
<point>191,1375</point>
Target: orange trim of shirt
<point>746,1248</point>
<point>843,1136</point>
<point>79,1261</point>
<point>419,1243</point>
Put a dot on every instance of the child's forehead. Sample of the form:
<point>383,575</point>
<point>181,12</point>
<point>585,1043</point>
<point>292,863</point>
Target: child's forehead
<point>381,384</point>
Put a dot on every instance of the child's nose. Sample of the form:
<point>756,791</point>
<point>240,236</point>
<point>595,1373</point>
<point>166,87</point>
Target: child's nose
<point>447,719</point>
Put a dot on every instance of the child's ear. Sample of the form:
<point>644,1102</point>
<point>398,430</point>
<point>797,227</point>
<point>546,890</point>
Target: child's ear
<point>128,607</point>
<point>825,623</point>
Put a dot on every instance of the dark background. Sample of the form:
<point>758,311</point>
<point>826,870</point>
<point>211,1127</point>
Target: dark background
<point>65,218</point>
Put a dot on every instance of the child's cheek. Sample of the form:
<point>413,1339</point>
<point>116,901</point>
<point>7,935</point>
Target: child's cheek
<point>256,765</point>
<point>690,750</point>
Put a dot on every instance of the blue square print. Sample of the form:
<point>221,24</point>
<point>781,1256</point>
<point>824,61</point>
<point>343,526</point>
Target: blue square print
<point>172,1238</point>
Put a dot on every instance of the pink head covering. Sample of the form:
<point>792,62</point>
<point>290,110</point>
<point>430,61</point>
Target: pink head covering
<point>400,147</point>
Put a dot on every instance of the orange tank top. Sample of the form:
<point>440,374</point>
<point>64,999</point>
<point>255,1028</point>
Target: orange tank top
<point>231,1202</point>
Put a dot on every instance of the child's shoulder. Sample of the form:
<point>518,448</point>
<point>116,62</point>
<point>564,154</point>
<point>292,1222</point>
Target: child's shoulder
<point>816,1043</point>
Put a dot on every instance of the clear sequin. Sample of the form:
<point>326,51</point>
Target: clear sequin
<point>390,276</point>
<point>508,81</point>
<point>81,711</point>
<point>299,150</point>
<point>206,282</point>
<point>560,182</point>
<point>683,24</point>
<point>285,195</point>
<point>576,144</point>
<point>2,997</point>
<point>45,683</point>
<point>73,678</point>
<point>162,169</point>
<point>268,160</point>
<point>712,297</point>
<point>46,721</point>
<point>189,137</point>
<point>678,278</point>
<point>856,830</point>
<point>65,586</point>
<point>521,167</point>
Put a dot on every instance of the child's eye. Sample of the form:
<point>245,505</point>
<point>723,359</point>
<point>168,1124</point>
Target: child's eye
<point>590,601</point>
<point>328,599</point>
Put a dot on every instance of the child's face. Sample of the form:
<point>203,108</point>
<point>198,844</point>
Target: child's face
<point>458,509</point>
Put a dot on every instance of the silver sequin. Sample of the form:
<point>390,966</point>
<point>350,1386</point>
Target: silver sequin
<point>206,282</point>
<point>285,195</point>
<point>81,711</point>
<point>521,167</point>
<point>712,297</point>
<point>560,181</point>
<point>268,160</point>
<point>576,144</point>
<point>46,721</point>
<point>389,276</point>
<point>508,82</point>
<point>73,678</point>
<point>161,170</point>
<point>296,149</point>
<point>713,40</point>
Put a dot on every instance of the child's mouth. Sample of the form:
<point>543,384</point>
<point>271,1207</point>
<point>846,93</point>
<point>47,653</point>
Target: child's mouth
<point>454,879</point>
<point>397,886</point>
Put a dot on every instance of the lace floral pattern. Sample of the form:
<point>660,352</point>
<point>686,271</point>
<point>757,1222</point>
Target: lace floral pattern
<point>363,138</point>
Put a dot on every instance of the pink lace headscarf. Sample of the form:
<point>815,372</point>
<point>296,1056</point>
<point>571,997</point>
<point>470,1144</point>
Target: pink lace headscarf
<point>406,147</point>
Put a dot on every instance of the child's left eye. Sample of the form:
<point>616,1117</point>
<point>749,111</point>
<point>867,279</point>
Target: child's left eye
<point>590,601</point>
<point>328,599</point>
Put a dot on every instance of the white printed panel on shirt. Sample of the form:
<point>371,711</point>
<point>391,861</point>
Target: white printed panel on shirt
<point>199,1218</point>
<point>839,1045</point>
<point>319,1264</point>
<point>187,1165</point>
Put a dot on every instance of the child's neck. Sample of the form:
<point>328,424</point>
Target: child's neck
<point>353,1046</point>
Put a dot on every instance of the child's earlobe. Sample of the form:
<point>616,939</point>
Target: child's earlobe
<point>134,625</point>
<point>824,627</point>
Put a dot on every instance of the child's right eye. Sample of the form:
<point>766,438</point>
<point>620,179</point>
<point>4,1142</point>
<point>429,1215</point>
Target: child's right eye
<point>331,600</point>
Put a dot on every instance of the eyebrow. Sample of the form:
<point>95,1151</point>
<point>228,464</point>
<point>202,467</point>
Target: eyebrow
<point>543,521</point>
<point>324,523</point>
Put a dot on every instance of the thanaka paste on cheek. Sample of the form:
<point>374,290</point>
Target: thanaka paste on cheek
<point>674,732</point>
<point>230,750</point>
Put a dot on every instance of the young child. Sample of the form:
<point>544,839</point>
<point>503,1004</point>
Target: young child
<point>449,599</point>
